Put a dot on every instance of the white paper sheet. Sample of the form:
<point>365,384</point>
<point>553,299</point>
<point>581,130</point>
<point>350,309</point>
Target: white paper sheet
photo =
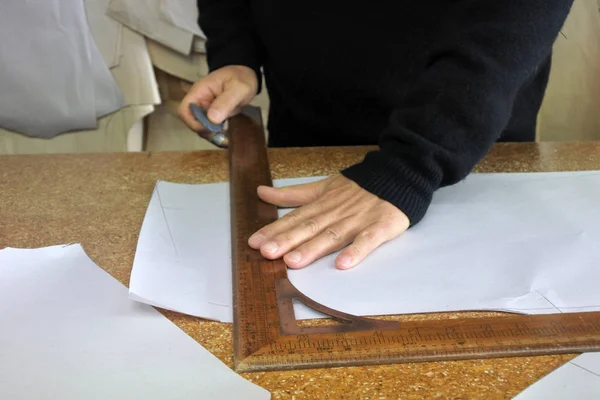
<point>517,242</point>
<point>578,379</point>
<point>144,16</point>
<point>58,81</point>
<point>176,268</point>
<point>70,332</point>
<point>590,362</point>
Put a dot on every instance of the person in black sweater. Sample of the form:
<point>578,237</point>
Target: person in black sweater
<point>433,83</point>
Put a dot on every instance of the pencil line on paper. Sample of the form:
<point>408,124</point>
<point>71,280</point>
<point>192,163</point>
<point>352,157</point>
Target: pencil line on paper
<point>551,303</point>
<point>585,369</point>
<point>166,221</point>
<point>217,304</point>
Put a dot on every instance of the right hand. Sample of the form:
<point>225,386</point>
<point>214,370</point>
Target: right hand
<point>222,93</point>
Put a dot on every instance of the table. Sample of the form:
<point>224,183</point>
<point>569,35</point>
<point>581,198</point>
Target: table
<point>99,200</point>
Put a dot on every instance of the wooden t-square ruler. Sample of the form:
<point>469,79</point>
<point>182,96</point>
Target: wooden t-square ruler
<point>267,337</point>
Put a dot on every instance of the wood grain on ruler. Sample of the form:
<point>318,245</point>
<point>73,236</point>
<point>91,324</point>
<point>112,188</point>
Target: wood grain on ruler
<point>254,315</point>
<point>267,337</point>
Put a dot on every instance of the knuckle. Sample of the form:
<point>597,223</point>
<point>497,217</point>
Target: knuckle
<point>377,234</point>
<point>312,225</point>
<point>293,217</point>
<point>281,240</point>
<point>317,191</point>
<point>320,206</point>
<point>390,215</point>
<point>355,250</point>
<point>333,234</point>
<point>244,86</point>
<point>282,197</point>
<point>370,235</point>
<point>387,227</point>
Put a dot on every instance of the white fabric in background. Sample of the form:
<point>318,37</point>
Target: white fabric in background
<point>135,72</point>
<point>182,13</point>
<point>135,77</point>
<point>189,68</point>
<point>105,30</point>
<point>199,45</point>
<point>144,16</point>
<point>115,133</point>
<point>107,94</point>
<point>53,78</point>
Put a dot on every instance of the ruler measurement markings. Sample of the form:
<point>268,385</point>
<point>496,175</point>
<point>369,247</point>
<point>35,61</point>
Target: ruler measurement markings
<point>260,341</point>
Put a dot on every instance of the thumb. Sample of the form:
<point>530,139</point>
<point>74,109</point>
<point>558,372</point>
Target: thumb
<point>227,102</point>
<point>291,196</point>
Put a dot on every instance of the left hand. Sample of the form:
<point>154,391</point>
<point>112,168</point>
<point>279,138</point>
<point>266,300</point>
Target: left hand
<point>333,213</point>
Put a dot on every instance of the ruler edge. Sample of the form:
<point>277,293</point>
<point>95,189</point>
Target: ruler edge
<point>254,114</point>
<point>245,365</point>
<point>250,367</point>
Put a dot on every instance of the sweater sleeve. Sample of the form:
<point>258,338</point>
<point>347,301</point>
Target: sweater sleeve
<point>231,37</point>
<point>462,102</point>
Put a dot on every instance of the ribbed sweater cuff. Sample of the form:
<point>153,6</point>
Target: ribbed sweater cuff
<point>395,181</point>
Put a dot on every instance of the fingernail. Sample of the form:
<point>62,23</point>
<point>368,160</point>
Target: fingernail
<point>256,240</point>
<point>294,256</point>
<point>270,248</point>
<point>345,261</point>
<point>214,115</point>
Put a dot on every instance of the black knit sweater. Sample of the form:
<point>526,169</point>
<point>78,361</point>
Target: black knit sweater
<point>435,83</point>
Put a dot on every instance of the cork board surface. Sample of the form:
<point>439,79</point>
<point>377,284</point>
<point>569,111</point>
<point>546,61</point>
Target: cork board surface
<point>99,200</point>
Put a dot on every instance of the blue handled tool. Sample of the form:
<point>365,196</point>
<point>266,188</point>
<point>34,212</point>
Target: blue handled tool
<point>218,138</point>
